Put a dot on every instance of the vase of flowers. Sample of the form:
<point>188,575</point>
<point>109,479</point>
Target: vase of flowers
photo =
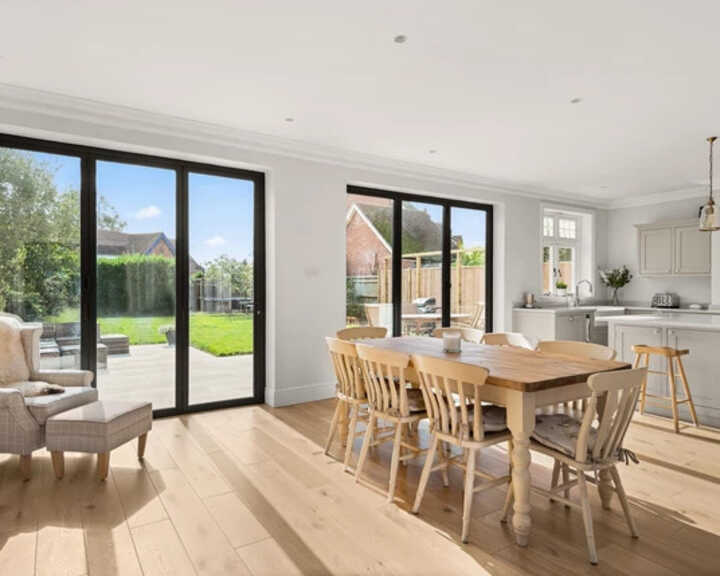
<point>616,278</point>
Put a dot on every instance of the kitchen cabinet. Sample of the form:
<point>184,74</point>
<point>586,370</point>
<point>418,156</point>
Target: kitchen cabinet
<point>560,324</point>
<point>673,249</point>
<point>702,364</point>
<point>656,253</point>
<point>692,250</point>
<point>622,340</point>
<point>702,374</point>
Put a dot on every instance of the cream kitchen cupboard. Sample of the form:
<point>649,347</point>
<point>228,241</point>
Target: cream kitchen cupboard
<point>673,249</point>
<point>702,364</point>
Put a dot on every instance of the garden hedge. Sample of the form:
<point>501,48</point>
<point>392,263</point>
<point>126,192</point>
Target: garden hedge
<point>136,284</point>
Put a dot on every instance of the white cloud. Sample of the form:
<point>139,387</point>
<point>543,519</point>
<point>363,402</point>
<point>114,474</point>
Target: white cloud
<point>148,212</point>
<point>215,241</point>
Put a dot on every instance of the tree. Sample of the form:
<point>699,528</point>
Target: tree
<point>108,217</point>
<point>474,257</point>
<point>38,242</point>
<point>238,273</point>
<point>40,237</point>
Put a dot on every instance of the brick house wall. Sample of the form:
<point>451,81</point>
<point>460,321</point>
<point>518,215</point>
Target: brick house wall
<point>162,249</point>
<point>365,250</point>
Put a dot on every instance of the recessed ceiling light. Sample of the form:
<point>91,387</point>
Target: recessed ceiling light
<point>289,119</point>
<point>400,39</point>
<point>603,187</point>
<point>575,100</point>
<point>432,151</point>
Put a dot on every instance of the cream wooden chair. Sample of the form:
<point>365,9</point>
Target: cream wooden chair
<point>574,348</point>
<point>350,394</point>
<point>590,446</point>
<point>577,407</point>
<point>467,334</point>
<point>455,420</point>
<point>389,399</point>
<point>358,332</point>
<point>507,339</point>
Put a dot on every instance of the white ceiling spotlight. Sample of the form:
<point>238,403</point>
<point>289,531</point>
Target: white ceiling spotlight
<point>709,221</point>
<point>576,100</point>
<point>432,151</point>
<point>289,119</point>
<point>400,39</point>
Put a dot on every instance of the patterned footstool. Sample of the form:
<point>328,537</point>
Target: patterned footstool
<point>97,428</point>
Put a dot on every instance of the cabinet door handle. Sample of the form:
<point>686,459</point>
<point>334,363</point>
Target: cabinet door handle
<point>658,331</point>
<point>671,332</point>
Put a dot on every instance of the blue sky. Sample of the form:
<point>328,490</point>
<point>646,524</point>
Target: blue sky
<point>221,209</point>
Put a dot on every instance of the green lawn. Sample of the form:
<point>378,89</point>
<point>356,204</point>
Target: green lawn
<point>218,334</point>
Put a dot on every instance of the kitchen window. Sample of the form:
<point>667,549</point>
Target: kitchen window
<point>561,252</point>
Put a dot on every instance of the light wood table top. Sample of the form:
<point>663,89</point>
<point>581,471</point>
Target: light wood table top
<point>515,368</point>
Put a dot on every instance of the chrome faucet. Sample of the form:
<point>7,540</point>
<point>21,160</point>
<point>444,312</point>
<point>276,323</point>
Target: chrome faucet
<point>576,298</point>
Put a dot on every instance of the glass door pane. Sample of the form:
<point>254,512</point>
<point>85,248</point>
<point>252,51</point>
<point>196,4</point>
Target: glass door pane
<point>421,256</point>
<point>368,249</point>
<point>136,283</point>
<point>221,291</point>
<point>40,249</point>
<point>468,272</point>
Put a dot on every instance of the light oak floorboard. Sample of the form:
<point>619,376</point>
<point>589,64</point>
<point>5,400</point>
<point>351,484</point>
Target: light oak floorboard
<point>267,558</point>
<point>235,520</point>
<point>160,551</point>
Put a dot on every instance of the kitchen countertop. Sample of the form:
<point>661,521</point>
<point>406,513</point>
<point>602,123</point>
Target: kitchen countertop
<point>571,309</point>
<point>607,310</point>
<point>666,320</point>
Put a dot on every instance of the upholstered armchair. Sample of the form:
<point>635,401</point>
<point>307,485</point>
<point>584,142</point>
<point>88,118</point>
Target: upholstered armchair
<point>22,417</point>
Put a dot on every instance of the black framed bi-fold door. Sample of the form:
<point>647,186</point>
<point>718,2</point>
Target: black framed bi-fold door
<point>414,263</point>
<point>148,271</point>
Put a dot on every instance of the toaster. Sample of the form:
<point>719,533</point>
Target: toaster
<point>665,300</point>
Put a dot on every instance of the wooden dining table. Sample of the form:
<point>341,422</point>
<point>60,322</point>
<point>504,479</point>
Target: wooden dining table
<point>521,380</point>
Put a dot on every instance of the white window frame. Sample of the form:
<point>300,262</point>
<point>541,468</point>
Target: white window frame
<point>554,242</point>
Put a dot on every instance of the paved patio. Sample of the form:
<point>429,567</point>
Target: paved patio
<point>148,373</point>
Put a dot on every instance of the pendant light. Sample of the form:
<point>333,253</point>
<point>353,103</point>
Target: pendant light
<point>709,221</point>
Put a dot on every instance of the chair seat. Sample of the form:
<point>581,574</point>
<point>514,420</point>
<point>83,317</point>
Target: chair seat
<point>42,407</point>
<point>560,432</point>
<point>494,418</point>
<point>416,402</point>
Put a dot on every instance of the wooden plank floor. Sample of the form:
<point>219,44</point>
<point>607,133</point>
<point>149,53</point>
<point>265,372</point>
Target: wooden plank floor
<point>248,491</point>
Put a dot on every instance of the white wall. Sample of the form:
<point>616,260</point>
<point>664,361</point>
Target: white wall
<point>305,230</point>
<point>622,249</point>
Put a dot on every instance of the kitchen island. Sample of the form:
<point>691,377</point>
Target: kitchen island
<point>699,333</point>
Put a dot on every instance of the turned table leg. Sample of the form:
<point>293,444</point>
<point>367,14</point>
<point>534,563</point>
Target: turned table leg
<point>521,422</point>
<point>58,460</point>
<point>142,441</point>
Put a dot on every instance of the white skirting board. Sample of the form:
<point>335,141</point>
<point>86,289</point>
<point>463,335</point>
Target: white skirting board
<point>299,394</point>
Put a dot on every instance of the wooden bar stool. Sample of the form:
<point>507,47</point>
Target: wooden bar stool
<point>670,354</point>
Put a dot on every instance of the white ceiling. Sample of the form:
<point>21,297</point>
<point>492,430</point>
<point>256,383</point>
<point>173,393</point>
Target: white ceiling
<point>486,84</point>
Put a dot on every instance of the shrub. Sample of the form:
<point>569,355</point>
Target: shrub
<point>136,284</point>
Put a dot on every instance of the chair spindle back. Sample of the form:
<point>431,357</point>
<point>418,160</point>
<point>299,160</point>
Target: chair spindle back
<point>444,381</point>
<point>348,369</point>
<point>384,374</point>
<point>614,395</point>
